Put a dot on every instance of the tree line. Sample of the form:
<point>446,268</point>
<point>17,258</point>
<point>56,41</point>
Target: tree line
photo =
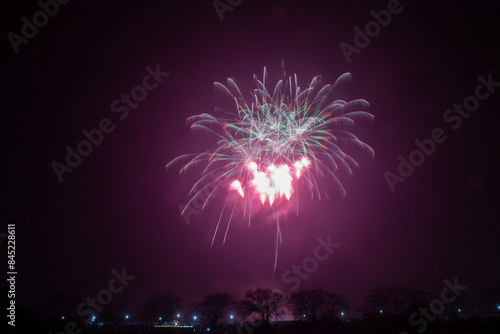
<point>313,308</point>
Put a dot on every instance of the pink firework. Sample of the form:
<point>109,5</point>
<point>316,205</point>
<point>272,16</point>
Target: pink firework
<point>274,140</point>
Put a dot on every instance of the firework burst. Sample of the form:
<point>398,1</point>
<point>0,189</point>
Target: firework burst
<point>276,140</point>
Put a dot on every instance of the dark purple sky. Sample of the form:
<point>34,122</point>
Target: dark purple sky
<point>119,207</point>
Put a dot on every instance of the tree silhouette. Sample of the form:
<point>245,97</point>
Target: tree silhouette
<point>392,300</point>
<point>490,301</point>
<point>215,307</point>
<point>111,314</point>
<point>56,306</point>
<point>334,303</point>
<point>264,303</point>
<point>317,304</point>
<point>161,308</point>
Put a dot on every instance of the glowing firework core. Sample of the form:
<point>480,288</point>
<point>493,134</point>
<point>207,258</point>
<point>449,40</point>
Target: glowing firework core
<point>275,182</point>
<point>236,185</point>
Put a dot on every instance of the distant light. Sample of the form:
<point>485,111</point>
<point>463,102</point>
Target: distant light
<point>498,307</point>
<point>178,315</point>
<point>304,315</point>
<point>231,316</point>
<point>159,318</point>
<point>459,310</point>
<point>126,316</point>
<point>208,329</point>
<point>381,311</point>
<point>342,313</point>
<point>195,317</point>
<point>63,317</point>
<point>93,318</point>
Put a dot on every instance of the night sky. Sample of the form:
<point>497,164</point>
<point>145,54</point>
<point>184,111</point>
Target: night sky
<point>120,206</point>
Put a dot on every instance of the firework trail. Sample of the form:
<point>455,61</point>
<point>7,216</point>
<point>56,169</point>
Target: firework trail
<point>276,139</point>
